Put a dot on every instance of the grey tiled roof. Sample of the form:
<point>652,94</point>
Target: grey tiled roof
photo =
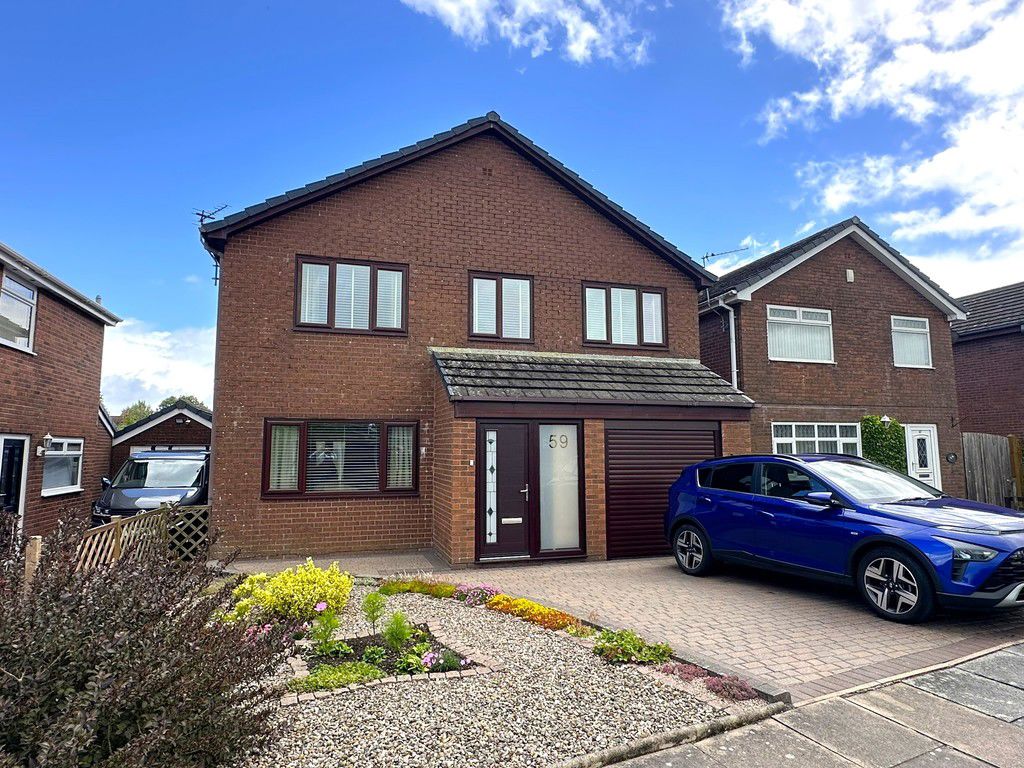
<point>752,273</point>
<point>476,374</point>
<point>992,310</point>
<point>214,231</point>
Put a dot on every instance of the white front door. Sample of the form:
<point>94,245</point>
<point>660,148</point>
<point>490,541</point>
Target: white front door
<point>923,454</point>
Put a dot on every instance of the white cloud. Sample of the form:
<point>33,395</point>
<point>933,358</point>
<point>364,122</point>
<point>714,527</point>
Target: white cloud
<point>804,228</point>
<point>750,248</point>
<point>142,362</point>
<point>584,30</point>
<point>954,68</point>
<point>192,279</point>
<point>964,273</point>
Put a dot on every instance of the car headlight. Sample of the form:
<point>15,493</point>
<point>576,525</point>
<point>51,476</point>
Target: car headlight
<point>969,553</point>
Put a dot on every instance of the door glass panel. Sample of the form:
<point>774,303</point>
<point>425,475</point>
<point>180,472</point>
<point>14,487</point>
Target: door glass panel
<point>559,487</point>
<point>922,453</point>
<point>491,485</point>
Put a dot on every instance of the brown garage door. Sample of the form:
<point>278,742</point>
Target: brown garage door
<point>642,459</point>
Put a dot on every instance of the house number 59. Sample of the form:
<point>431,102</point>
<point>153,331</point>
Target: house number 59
<point>558,441</point>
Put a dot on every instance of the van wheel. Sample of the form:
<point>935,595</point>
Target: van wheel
<point>895,586</point>
<point>692,550</point>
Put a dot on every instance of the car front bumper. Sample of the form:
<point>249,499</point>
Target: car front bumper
<point>1010,596</point>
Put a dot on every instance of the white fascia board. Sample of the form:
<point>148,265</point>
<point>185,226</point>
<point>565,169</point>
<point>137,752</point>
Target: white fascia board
<point>149,424</point>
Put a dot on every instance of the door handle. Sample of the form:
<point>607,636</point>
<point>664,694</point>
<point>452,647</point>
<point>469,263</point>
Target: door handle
<point>704,499</point>
<point>765,513</point>
<point>526,490</point>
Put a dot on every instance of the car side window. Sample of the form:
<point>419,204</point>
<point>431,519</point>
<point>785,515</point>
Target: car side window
<point>783,481</point>
<point>731,477</point>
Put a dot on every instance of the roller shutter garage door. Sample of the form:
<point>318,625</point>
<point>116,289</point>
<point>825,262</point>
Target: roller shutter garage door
<point>642,459</point>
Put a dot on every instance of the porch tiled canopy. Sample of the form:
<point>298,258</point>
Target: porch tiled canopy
<point>489,375</point>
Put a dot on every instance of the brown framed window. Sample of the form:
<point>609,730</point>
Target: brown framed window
<point>624,315</point>
<point>307,457</point>
<point>500,306</point>
<point>348,296</point>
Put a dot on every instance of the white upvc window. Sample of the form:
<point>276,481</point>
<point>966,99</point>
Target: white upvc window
<point>911,342</point>
<point>800,335</point>
<point>17,313</point>
<point>816,437</point>
<point>62,466</point>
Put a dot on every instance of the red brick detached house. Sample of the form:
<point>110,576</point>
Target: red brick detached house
<point>54,447</point>
<point>462,345</point>
<point>832,328</point>
<point>180,426</point>
<point>988,349</point>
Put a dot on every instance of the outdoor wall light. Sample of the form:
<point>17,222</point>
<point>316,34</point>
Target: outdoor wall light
<point>182,420</point>
<point>886,421</point>
<point>47,442</point>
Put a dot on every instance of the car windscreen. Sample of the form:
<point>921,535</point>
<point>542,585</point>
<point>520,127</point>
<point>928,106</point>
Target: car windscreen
<point>159,473</point>
<point>872,484</point>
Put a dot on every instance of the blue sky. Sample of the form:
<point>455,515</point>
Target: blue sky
<point>717,123</point>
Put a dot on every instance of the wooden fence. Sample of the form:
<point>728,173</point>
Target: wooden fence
<point>992,464</point>
<point>180,531</point>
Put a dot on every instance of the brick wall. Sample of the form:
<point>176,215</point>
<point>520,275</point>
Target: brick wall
<point>594,482</point>
<point>166,432</point>
<point>454,482</point>
<point>477,205</point>
<point>990,384</point>
<point>56,390</point>
<point>714,343</point>
<point>863,379</point>
<point>736,438</point>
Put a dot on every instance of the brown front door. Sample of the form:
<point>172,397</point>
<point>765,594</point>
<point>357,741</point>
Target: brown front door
<point>503,490</point>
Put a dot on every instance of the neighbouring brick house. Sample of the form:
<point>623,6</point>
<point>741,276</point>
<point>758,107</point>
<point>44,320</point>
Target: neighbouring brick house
<point>988,349</point>
<point>385,376</point>
<point>830,329</point>
<point>180,426</point>
<point>54,446</point>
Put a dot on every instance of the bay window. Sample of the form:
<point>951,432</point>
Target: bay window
<point>315,458</point>
<point>62,466</point>
<point>800,335</point>
<point>351,296</point>
<point>911,342</point>
<point>622,315</point>
<point>500,306</point>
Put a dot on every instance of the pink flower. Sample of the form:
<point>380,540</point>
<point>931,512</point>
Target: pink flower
<point>320,607</point>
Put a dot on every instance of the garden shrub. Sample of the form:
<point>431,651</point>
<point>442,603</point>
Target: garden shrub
<point>292,594</point>
<point>374,654</point>
<point>410,664</point>
<point>730,687</point>
<point>397,632</point>
<point>417,586</point>
<point>475,594</point>
<point>884,445</point>
<point>627,647</point>
<point>327,676</point>
<point>373,607</point>
<point>122,667</point>
<point>535,613</point>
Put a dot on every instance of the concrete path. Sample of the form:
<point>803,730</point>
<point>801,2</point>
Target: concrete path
<point>968,716</point>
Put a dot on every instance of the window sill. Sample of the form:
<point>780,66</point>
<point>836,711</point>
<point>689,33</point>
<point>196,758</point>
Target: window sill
<point>500,339</point>
<point>62,491</point>
<point>287,496</point>
<point>349,331</point>
<point>9,345</point>
<point>632,347</point>
<point>915,367</point>
<point>806,362</point>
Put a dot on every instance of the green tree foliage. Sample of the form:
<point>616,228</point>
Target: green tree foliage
<point>137,411</point>
<point>883,444</point>
<point>191,399</point>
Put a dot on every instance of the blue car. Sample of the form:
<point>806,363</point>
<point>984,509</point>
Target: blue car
<point>906,546</point>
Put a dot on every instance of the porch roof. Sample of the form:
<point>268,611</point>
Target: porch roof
<point>497,375</point>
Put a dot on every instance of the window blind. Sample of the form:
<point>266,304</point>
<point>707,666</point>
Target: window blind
<point>313,306</point>
<point>389,298</point>
<point>352,296</point>
<point>485,312</point>
<point>911,342</point>
<point>401,444</point>
<point>342,456</point>
<point>624,317</point>
<point>515,308</point>
<point>799,335</point>
<point>284,458</point>
<point>654,333</point>
<point>596,316</point>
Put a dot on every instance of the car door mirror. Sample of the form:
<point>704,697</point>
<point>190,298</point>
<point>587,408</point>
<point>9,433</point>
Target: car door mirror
<point>822,499</point>
<point>105,482</point>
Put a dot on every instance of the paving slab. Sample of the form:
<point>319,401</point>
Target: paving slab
<point>770,745</point>
<point>988,696</point>
<point>1004,666</point>
<point>687,756</point>
<point>1018,649</point>
<point>944,757</point>
<point>971,732</point>
<point>867,739</point>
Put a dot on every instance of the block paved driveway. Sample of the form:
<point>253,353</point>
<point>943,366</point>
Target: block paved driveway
<point>968,716</point>
<point>805,637</point>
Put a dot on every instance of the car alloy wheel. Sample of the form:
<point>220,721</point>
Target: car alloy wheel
<point>891,586</point>
<point>689,549</point>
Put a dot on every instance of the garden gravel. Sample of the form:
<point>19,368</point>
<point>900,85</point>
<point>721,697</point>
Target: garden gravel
<point>553,701</point>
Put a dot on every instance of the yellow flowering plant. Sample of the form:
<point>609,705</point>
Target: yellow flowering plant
<point>535,613</point>
<point>293,593</point>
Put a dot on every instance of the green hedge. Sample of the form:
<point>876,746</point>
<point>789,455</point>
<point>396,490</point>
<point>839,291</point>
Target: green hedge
<point>884,445</point>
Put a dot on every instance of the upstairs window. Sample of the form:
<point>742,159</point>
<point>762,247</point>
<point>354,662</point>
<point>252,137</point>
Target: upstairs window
<point>17,313</point>
<point>911,342</point>
<point>500,307</point>
<point>623,315</point>
<point>800,335</point>
<point>352,296</point>
<point>316,458</point>
<point>62,466</point>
